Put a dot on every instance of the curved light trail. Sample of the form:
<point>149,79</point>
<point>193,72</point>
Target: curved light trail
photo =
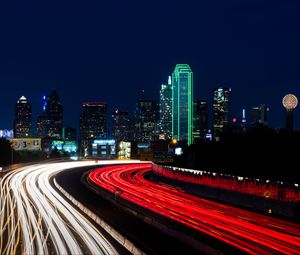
<point>250,232</point>
<point>36,219</point>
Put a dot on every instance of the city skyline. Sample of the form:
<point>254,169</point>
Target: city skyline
<point>87,53</point>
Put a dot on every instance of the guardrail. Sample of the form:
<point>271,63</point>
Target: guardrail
<point>284,192</point>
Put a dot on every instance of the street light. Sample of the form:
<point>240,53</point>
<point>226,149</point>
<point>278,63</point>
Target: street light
<point>173,141</point>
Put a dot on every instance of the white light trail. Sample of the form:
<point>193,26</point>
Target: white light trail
<point>36,219</point>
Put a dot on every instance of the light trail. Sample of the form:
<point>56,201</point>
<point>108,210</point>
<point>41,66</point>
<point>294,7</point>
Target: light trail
<point>249,232</point>
<point>36,219</point>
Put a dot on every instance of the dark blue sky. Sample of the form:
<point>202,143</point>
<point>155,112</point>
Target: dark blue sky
<point>94,50</point>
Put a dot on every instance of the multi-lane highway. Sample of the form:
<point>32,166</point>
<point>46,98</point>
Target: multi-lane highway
<point>36,219</point>
<point>247,231</point>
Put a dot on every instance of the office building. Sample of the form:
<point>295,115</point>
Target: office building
<point>165,110</point>
<point>22,121</point>
<point>120,125</point>
<point>259,115</point>
<point>200,119</point>
<point>221,111</point>
<point>182,103</point>
<point>54,115</point>
<point>93,121</point>
<point>145,117</point>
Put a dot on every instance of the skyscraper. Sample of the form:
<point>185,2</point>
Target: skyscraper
<point>182,103</point>
<point>144,120</point>
<point>22,122</point>
<point>165,109</point>
<point>200,119</point>
<point>42,126</point>
<point>221,110</point>
<point>259,115</point>
<point>120,125</point>
<point>54,115</point>
<point>93,120</point>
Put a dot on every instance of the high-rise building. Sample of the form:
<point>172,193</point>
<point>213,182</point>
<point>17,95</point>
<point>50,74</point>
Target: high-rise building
<point>200,119</point>
<point>221,110</point>
<point>121,125</point>
<point>70,134</point>
<point>144,120</point>
<point>54,115</point>
<point>93,120</point>
<point>182,103</point>
<point>165,110</point>
<point>42,126</point>
<point>259,115</point>
<point>22,122</point>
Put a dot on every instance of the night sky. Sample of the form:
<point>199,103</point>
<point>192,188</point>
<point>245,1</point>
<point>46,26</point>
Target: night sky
<point>100,51</point>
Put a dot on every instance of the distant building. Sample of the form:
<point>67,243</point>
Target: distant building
<point>93,120</point>
<point>7,134</point>
<point>200,119</point>
<point>70,134</point>
<point>144,120</point>
<point>182,103</point>
<point>121,125</point>
<point>22,122</point>
<point>54,114</point>
<point>221,110</point>
<point>244,121</point>
<point>259,115</point>
<point>42,126</point>
<point>50,120</point>
<point>93,125</point>
<point>165,110</point>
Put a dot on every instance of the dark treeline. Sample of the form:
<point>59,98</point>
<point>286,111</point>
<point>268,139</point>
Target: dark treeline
<point>261,152</point>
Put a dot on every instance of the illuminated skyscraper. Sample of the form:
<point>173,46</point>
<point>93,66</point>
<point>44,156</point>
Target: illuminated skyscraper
<point>200,119</point>
<point>93,121</point>
<point>145,119</point>
<point>165,109</point>
<point>182,103</point>
<point>221,110</point>
<point>120,125</point>
<point>259,115</point>
<point>53,111</point>
<point>22,122</point>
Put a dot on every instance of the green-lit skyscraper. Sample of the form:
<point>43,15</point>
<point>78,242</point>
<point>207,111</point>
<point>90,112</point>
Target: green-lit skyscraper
<point>182,103</point>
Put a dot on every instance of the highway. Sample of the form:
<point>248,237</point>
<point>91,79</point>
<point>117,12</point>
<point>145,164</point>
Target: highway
<point>247,231</point>
<point>36,219</point>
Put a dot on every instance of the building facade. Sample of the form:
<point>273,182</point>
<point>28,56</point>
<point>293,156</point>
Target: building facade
<point>121,125</point>
<point>93,121</point>
<point>182,103</point>
<point>200,119</point>
<point>145,117</point>
<point>259,115</point>
<point>54,115</point>
<point>165,110</point>
<point>22,121</point>
<point>221,110</point>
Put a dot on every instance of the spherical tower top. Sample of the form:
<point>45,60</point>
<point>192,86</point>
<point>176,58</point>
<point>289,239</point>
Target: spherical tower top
<point>290,102</point>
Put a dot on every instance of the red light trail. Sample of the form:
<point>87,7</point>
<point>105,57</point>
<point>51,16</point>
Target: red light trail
<point>250,232</point>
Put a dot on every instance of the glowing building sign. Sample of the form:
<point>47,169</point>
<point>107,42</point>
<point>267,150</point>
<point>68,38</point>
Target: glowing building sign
<point>27,144</point>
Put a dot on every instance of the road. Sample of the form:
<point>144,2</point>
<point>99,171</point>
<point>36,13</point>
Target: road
<point>36,219</point>
<point>247,231</point>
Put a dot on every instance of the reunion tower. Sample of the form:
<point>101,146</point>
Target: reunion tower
<point>290,102</point>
